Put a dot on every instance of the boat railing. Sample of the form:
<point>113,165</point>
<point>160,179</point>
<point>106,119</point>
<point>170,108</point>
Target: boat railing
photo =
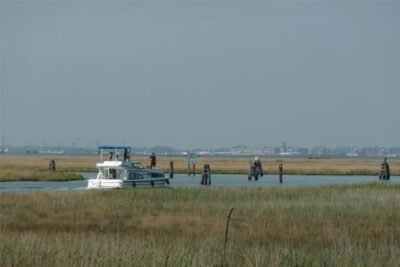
<point>114,150</point>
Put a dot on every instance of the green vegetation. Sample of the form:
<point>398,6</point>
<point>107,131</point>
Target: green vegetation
<point>357,225</point>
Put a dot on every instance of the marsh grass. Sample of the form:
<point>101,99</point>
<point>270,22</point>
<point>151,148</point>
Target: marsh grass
<point>357,225</point>
<point>26,169</point>
<point>32,175</point>
<point>36,174</point>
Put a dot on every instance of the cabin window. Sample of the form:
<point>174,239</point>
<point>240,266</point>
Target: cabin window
<point>116,174</point>
<point>135,176</point>
<point>156,175</point>
<point>112,174</point>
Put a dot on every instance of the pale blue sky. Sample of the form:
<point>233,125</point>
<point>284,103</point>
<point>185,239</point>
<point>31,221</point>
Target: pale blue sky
<point>200,74</point>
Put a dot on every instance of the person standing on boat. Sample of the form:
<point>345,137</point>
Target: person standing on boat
<point>126,154</point>
<point>153,161</point>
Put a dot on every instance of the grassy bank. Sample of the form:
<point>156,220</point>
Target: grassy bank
<point>36,174</point>
<point>26,169</point>
<point>356,225</point>
<point>219,165</point>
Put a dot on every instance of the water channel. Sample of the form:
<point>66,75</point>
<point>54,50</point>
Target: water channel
<point>219,180</point>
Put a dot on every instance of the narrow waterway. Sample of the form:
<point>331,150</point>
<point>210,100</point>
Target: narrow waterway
<point>219,180</point>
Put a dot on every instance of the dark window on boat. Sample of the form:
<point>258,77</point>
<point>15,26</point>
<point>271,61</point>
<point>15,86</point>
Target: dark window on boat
<point>156,175</point>
<point>113,174</point>
<point>135,176</point>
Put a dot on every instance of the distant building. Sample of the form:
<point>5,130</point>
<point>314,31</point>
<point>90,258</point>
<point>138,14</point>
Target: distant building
<point>284,147</point>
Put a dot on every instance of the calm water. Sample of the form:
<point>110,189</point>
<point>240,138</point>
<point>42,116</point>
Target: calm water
<point>220,180</point>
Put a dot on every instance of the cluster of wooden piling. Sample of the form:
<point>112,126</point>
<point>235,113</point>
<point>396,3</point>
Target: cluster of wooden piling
<point>206,176</point>
<point>52,165</point>
<point>255,169</point>
<point>385,171</point>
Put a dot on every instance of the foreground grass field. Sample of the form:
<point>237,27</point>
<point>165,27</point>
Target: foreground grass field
<point>19,167</point>
<point>356,225</point>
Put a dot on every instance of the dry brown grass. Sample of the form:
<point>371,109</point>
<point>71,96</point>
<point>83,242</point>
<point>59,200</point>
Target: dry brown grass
<point>333,226</point>
<point>63,163</point>
<point>20,168</point>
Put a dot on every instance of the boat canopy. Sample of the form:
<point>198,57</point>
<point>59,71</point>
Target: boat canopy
<point>115,147</point>
<point>101,148</point>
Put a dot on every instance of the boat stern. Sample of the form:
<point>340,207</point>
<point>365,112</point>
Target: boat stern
<point>104,183</point>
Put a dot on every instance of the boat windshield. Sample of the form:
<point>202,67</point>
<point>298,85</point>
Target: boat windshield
<point>111,173</point>
<point>137,165</point>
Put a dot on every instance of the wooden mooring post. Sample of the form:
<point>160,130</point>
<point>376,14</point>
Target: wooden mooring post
<point>280,172</point>
<point>206,176</point>
<point>171,169</point>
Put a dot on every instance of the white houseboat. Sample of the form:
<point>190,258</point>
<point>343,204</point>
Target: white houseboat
<point>116,173</point>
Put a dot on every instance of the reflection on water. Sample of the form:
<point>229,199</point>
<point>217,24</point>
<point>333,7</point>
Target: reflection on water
<point>183,180</point>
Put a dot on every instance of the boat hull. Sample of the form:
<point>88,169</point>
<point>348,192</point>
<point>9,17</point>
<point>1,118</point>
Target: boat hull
<point>109,183</point>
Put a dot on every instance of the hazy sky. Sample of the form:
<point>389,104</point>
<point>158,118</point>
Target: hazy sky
<point>200,74</point>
